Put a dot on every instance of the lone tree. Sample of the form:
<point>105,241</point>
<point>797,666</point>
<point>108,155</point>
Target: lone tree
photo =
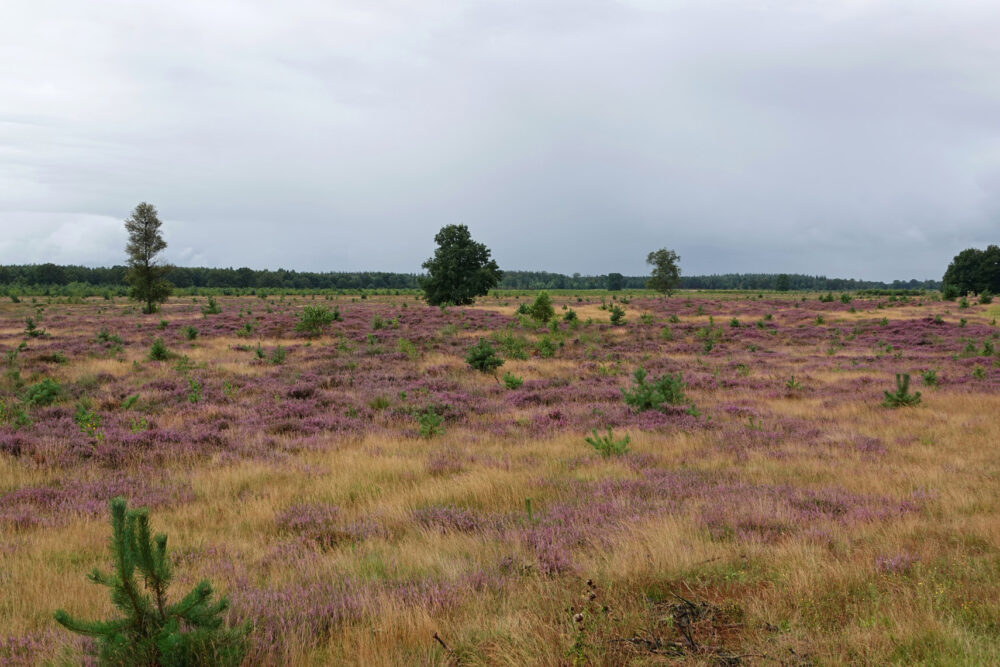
<point>666,271</point>
<point>974,270</point>
<point>145,272</point>
<point>615,282</point>
<point>460,269</point>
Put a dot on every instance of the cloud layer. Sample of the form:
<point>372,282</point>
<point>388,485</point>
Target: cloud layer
<point>856,139</point>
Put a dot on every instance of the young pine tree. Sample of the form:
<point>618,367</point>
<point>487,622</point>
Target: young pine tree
<point>153,631</point>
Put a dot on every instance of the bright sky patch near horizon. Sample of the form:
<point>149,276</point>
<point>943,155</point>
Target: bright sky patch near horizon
<point>846,138</point>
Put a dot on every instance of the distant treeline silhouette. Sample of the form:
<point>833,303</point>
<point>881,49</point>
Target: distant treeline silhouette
<point>53,275</point>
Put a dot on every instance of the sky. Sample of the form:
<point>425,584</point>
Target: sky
<point>849,138</point>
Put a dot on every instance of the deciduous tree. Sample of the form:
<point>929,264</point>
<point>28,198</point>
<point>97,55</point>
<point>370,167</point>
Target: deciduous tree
<point>460,269</point>
<point>666,270</point>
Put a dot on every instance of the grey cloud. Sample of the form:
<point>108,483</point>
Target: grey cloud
<point>846,138</point>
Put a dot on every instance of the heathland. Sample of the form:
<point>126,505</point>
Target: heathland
<point>364,496</point>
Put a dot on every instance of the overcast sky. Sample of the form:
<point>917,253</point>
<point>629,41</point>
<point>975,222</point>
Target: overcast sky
<point>853,138</point>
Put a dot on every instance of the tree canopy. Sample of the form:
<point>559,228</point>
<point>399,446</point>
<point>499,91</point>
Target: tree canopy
<point>666,274</point>
<point>974,270</point>
<point>460,269</point>
<point>145,272</point>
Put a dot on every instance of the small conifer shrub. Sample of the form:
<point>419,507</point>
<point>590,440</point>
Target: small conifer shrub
<point>212,308</point>
<point>902,396</point>
<point>151,630</point>
<point>542,309</point>
<point>46,392</point>
<point>617,315</point>
<point>158,351</point>
<point>512,381</point>
<point>607,445</point>
<point>483,357</point>
<point>313,319</point>
<point>656,395</point>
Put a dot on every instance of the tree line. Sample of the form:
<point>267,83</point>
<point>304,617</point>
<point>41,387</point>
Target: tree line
<point>182,277</point>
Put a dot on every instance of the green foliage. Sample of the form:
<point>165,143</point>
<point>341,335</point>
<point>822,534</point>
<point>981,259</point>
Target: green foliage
<point>666,273</point>
<point>617,315</point>
<point>46,392</point>
<point>792,384</point>
<point>607,445</point>
<point>483,357</point>
<point>902,396</point>
<point>85,417</point>
<point>511,345</point>
<point>542,309</point>
<point>963,302</point>
<point>460,269</point>
<point>512,381</point>
<point>570,316</point>
<point>546,347</point>
<point>31,329</point>
<point>313,319</point>
<point>615,282</point>
<point>278,355</point>
<point>929,377</point>
<point>985,297</point>
<point>194,390</point>
<point>978,372</point>
<point>656,395</point>
<point>408,348</point>
<point>151,630</point>
<point>734,323</point>
<point>158,351</point>
<point>431,423</point>
<point>129,401</point>
<point>973,270</point>
<point>190,332</point>
<point>826,298</point>
<point>145,272</point>
<point>212,308</point>
<point>845,298</point>
<point>14,415</point>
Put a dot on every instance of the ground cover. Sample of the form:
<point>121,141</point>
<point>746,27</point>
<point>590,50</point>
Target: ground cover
<point>363,496</point>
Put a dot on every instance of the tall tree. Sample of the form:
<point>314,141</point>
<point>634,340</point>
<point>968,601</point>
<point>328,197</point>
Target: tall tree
<point>460,269</point>
<point>974,270</point>
<point>145,271</point>
<point>666,270</point>
<point>615,282</point>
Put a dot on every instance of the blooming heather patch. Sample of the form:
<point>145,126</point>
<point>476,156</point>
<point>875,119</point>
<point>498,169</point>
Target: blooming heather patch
<point>324,523</point>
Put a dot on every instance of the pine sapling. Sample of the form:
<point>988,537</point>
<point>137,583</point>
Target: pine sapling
<point>151,630</point>
<point>902,396</point>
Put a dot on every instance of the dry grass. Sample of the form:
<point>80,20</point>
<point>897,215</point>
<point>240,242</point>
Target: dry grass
<point>825,593</point>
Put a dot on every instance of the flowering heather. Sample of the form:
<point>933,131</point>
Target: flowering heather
<point>300,485</point>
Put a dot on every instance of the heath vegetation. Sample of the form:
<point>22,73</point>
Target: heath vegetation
<point>717,478</point>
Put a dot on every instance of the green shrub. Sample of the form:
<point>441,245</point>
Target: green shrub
<point>483,357</point>
<point>512,381</point>
<point>617,315</point>
<point>158,351</point>
<point>46,392</point>
<point>278,355</point>
<point>929,377</point>
<point>546,348</point>
<point>542,309</point>
<point>194,390</point>
<point>212,308</point>
<point>985,297</point>
<point>430,423</point>
<point>190,332</point>
<point>902,396</point>
<point>313,319</point>
<point>151,630</point>
<point>656,395</point>
<point>31,329</point>
<point>570,316</point>
<point>606,445</point>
